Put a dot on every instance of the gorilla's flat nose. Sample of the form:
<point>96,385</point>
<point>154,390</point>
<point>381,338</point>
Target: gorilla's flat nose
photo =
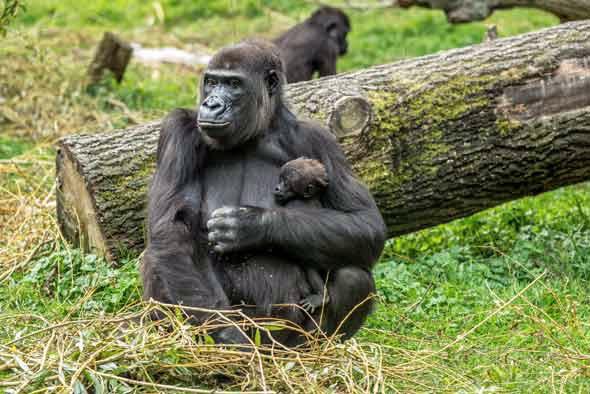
<point>212,107</point>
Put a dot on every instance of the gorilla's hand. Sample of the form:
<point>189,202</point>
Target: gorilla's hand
<point>234,229</point>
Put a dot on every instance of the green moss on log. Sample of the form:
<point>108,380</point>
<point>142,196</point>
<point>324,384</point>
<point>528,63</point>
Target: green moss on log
<point>429,107</point>
<point>506,127</point>
<point>419,122</point>
<point>130,185</point>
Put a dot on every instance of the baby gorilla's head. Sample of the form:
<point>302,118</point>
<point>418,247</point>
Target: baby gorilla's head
<point>301,178</point>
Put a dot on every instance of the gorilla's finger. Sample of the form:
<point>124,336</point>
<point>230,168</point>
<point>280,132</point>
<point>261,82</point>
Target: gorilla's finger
<point>225,211</point>
<point>224,247</point>
<point>221,223</point>
<point>212,236</point>
<point>222,236</point>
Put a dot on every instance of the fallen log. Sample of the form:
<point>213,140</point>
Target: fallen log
<point>460,11</point>
<point>156,56</point>
<point>435,138</point>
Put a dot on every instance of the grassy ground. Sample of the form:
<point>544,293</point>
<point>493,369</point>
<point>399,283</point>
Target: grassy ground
<point>493,303</point>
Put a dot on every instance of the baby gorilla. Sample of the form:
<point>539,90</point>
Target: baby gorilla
<point>300,182</point>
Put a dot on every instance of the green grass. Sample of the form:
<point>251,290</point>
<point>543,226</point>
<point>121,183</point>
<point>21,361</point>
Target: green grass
<point>56,282</point>
<point>159,91</point>
<point>381,36</point>
<point>433,286</point>
<point>378,36</point>
<point>10,146</point>
<point>436,284</point>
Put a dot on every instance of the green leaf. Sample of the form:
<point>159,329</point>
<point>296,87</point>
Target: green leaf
<point>97,384</point>
<point>79,388</point>
<point>209,339</point>
<point>257,338</point>
<point>274,327</point>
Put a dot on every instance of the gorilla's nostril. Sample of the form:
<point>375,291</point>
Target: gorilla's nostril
<point>213,107</point>
<point>212,102</point>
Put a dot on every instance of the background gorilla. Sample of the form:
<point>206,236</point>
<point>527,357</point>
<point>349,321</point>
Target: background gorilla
<point>315,44</point>
<point>212,209</point>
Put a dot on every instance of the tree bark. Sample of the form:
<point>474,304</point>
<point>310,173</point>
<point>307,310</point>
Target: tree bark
<point>459,11</point>
<point>435,138</point>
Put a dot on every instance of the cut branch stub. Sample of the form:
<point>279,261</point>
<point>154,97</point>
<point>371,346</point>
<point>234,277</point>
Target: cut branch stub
<point>351,115</point>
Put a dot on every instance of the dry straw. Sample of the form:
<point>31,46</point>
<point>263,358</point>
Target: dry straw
<point>130,350</point>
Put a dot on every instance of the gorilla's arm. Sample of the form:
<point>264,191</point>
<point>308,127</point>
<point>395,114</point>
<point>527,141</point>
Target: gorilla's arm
<point>169,272</point>
<point>179,159</point>
<point>349,230</point>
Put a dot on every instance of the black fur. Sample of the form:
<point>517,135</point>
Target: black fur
<point>315,44</point>
<point>216,236</point>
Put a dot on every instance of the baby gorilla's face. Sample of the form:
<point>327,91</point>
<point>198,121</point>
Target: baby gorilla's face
<point>284,191</point>
<point>300,179</point>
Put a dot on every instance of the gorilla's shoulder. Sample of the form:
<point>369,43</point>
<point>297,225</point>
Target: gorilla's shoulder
<point>315,131</point>
<point>313,139</point>
<point>178,125</point>
<point>179,117</point>
<point>178,129</point>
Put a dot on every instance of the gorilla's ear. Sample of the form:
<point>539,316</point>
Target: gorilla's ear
<point>273,81</point>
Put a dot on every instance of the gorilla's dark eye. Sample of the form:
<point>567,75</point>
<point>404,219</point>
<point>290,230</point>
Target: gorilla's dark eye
<point>210,82</point>
<point>235,83</point>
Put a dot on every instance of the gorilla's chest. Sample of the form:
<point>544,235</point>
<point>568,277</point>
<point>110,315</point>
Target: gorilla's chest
<point>239,179</point>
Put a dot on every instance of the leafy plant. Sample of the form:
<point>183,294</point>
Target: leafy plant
<point>10,9</point>
<point>68,276</point>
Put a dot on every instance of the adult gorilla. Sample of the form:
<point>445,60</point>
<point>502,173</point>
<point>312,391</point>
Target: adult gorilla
<point>216,236</point>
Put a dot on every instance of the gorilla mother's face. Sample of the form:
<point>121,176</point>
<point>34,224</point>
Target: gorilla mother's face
<point>227,106</point>
<point>240,91</point>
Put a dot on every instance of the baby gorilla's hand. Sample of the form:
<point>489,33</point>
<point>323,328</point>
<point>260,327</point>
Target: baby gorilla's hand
<point>313,302</point>
<point>234,229</point>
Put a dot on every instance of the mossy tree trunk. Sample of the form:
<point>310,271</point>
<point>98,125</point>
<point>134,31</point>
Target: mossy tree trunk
<point>459,11</point>
<point>435,138</point>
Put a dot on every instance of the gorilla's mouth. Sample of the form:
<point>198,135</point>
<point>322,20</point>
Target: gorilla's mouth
<point>215,129</point>
<point>282,198</point>
<point>212,124</point>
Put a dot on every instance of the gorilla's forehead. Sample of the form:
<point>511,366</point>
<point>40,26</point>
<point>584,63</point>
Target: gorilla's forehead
<point>231,56</point>
<point>223,73</point>
<point>234,58</point>
<point>247,56</point>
